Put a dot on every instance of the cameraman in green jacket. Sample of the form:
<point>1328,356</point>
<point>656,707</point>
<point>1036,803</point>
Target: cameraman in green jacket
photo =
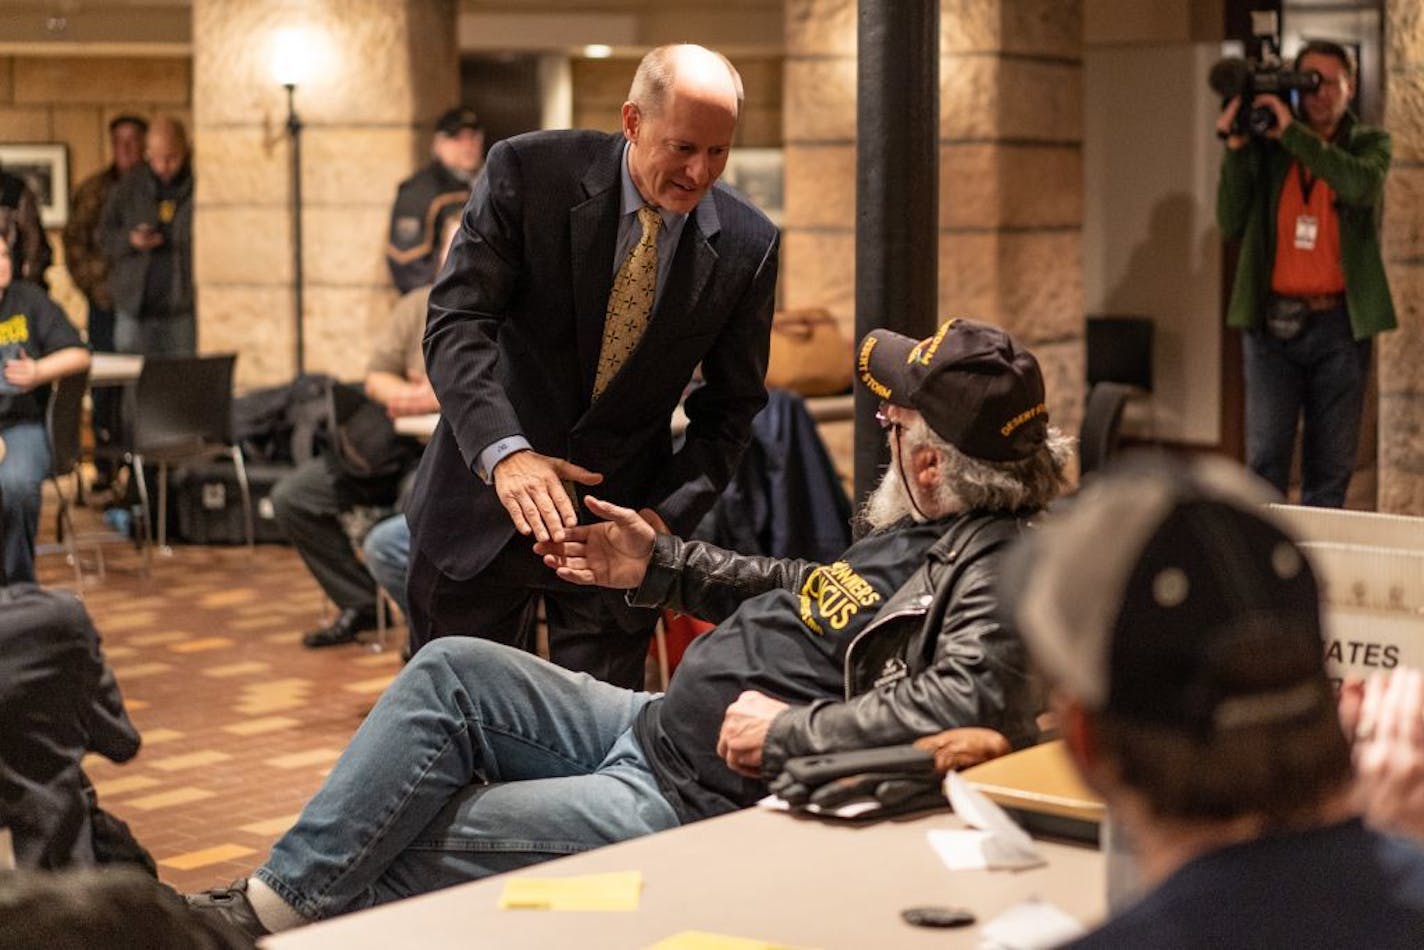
<point>1310,291</point>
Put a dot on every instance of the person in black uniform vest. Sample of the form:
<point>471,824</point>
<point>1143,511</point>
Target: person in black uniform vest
<point>425,200</point>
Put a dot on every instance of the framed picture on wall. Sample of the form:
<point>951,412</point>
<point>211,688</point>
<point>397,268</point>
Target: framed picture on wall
<point>45,168</point>
<point>756,173</point>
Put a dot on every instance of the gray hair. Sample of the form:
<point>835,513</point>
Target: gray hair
<point>657,72</point>
<point>969,483</point>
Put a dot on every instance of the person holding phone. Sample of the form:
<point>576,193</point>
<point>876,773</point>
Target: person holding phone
<point>147,234</point>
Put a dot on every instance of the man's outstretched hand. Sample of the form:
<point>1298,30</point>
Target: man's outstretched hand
<point>613,553</point>
<point>531,488</point>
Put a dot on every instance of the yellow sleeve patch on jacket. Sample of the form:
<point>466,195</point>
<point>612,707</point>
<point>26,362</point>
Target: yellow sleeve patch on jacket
<point>832,595</point>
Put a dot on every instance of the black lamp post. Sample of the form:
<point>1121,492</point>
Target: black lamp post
<point>294,130</point>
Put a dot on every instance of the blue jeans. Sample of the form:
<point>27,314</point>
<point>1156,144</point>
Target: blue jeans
<point>478,759</point>
<point>22,472</point>
<point>1320,375</point>
<point>156,336</point>
<point>386,552</point>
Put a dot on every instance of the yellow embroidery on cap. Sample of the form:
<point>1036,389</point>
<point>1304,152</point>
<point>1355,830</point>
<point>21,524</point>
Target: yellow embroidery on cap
<point>862,364</point>
<point>924,351</point>
<point>1021,418</point>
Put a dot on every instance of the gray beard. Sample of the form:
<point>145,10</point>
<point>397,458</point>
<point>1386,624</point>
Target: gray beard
<point>888,503</point>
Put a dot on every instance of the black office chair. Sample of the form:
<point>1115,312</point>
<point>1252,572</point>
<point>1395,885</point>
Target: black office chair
<point>1100,435</point>
<point>62,420</point>
<point>1119,368</point>
<point>1119,350</point>
<point>181,410</point>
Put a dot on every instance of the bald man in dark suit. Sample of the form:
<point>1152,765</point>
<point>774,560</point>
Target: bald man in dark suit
<point>550,380</point>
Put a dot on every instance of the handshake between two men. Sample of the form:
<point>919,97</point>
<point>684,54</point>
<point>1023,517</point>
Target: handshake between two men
<point>616,552</point>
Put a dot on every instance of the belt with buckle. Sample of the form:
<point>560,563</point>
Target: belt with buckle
<point>1316,303</point>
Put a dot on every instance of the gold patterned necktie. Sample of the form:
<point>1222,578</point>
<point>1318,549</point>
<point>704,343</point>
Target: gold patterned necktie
<point>630,301</point>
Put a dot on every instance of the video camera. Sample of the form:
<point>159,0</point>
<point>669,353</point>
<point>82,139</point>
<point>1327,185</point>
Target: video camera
<point>1248,78</point>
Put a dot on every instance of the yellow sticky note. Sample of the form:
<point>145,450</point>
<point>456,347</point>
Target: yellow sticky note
<point>702,940</point>
<point>619,890</point>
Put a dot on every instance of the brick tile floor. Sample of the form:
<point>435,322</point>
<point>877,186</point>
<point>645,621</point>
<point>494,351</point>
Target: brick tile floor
<point>240,721</point>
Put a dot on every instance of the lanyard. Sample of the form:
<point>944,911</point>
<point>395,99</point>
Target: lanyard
<point>1307,183</point>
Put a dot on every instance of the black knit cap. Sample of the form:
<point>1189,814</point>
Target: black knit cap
<point>976,387</point>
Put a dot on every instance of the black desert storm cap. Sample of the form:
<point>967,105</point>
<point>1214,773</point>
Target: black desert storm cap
<point>456,119</point>
<point>979,390</point>
<point>1167,594</point>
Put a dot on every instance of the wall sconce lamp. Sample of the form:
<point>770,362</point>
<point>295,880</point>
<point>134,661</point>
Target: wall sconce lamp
<point>288,68</point>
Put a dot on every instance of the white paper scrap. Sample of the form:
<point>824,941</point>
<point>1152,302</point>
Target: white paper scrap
<point>853,808</point>
<point>996,841</point>
<point>1032,925</point>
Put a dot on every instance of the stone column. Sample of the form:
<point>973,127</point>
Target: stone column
<point>1011,173</point>
<point>818,116</point>
<point>378,72</point>
<point>1011,180</point>
<point>1401,352</point>
<point>818,219</point>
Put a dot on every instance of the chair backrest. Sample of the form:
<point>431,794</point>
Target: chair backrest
<point>1119,350</point>
<point>185,397</point>
<point>62,418</point>
<point>1098,438</point>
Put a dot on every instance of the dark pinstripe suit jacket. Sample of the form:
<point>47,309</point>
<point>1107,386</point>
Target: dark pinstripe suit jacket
<point>515,326</point>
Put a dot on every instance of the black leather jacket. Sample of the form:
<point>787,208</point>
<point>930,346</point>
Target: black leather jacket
<point>936,655</point>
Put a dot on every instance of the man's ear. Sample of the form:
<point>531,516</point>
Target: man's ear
<point>925,463</point>
<point>632,118</point>
<point>1080,737</point>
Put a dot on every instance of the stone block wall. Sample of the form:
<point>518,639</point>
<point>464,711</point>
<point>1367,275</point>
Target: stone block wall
<point>1011,173</point>
<point>70,99</point>
<point>600,87</point>
<point>378,74</point>
<point>1401,353</point>
<point>1011,180</point>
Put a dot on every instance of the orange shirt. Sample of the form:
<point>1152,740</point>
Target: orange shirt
<point>1302,270</point>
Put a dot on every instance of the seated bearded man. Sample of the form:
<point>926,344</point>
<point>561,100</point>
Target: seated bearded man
<point>480,758</point>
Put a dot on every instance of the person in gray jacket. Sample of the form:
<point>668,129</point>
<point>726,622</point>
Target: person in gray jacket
<point>146,231</point>
<point>481,758</point>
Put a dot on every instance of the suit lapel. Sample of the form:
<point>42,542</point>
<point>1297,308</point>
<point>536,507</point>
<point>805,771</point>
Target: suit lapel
<point>593,231</point>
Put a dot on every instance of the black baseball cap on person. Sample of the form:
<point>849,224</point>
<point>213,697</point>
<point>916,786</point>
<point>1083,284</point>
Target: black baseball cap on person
<point>1166,594</point>
<point>977,388</point>
<point>456,119</point>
